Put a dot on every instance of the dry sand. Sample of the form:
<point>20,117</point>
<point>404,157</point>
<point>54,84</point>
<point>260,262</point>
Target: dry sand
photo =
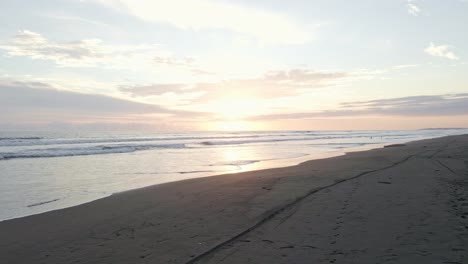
<point>403,204</point>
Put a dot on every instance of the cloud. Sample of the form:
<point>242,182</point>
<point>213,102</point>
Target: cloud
<point>174,61</point>
<point>196,71</point>
<point>186,62</point>
<point>40,102</point>
<point>433,105</point>
<point>266,26</point>
<point>255,95</point>
<point>413,9</point>
<point>80,53</point>
<point>273,84</point>
<point>440,51</point>
<point>152,89</point>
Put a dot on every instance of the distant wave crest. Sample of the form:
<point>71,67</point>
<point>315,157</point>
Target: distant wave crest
<point>19,138</point>
<point>83,151</point>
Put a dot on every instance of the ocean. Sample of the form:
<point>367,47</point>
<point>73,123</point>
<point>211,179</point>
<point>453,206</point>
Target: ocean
<point>44,171</point>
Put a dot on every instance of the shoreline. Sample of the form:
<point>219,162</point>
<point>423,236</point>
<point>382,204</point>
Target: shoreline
<point>261,165</point>
<point>258,166</point>
<point>204,218</point>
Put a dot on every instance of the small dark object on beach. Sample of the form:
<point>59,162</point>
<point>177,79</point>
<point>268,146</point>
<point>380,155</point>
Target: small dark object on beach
<point>394,145</point>
<point>385,182</point>
<point>287,247</point>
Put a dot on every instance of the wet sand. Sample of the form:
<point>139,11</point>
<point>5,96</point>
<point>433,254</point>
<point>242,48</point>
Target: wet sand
<point>402,204</point>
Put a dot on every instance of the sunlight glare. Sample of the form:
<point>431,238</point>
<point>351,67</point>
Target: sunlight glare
<point>236,109</point>
<point>234,126</point>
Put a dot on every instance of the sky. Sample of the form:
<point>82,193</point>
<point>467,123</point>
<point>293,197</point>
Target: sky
<point>233,64</point>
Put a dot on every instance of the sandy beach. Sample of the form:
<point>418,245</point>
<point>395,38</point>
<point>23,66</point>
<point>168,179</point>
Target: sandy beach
<point>400,204</point>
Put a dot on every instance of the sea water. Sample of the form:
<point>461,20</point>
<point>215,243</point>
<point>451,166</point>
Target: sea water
<point>44,171</point>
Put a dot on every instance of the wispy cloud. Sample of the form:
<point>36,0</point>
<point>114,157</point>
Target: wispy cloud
<point>413,9</point>
<point>440,51</point>
<point>269,93</point>
<point>153,89</point>
<point>264,25</point>
<point>274,84</point>
<point>167,60</point>
<point>433,105</point>
<point>188,63</point>
<point>79,53</point>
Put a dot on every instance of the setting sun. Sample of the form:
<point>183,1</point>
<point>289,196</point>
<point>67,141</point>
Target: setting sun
<point>233,126</point>
<point>235,109</point>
